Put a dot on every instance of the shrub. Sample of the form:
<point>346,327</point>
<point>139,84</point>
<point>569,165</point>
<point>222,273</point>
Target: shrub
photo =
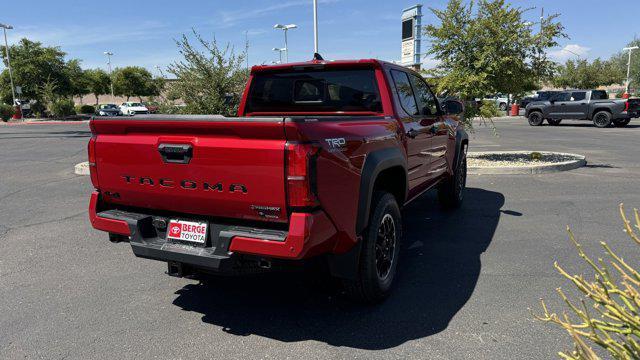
<point>609,313</point>
<point>85,109</point>
<point>6,112</point>
<point>62,108</point>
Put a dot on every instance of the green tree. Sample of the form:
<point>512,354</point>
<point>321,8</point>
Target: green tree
<point>621,59</point>
<point>491,49</point>
<point>34,65</point>
<point>77,78</point>
<point>99,82</point>
<point>581,74</point>
<point>134,81</point>
<point>210,81</point>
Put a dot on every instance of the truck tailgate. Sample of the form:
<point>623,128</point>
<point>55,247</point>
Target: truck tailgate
<point>204,165</point>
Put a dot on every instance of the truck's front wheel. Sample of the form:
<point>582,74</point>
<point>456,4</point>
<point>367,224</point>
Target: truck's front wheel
<point>380,250</point>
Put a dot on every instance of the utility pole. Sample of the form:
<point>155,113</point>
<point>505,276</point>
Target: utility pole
<point>6,27</point>
<point>109,55</point>
<point>315,26</point>
<point>285,28</point>
<point>246,47</point>
<point>630,50</point>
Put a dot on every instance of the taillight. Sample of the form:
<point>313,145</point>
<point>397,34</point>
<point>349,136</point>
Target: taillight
<point>301,175</point>
<point>626,106</point>
<point>91,150</point>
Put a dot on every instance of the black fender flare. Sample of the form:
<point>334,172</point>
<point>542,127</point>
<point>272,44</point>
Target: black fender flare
<point>376,162</point>
<point>346,265</point>
<point>461,136</point>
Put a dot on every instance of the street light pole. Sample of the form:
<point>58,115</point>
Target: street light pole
<point>280,51</point>
<point>315,26</point>
<point>6,27</point>
<point>109,55</point>
<point>630,49</point>
<point>285,28</point>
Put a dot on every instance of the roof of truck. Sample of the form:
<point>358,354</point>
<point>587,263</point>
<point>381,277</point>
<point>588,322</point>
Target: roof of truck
<point>320,63</point>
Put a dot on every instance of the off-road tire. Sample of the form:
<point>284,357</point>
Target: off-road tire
<point>554,122</point>
<point>535,118</point>
<point>621,122</point>
<point>602,119</point>
<point>451,192</point>
<point>380,251</point>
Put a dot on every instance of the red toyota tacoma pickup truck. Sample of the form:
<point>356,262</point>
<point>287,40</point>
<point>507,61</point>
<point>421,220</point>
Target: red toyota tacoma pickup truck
<point>318,164</point>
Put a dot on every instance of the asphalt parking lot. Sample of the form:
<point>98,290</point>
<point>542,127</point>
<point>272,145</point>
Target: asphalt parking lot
<point>468,278</point>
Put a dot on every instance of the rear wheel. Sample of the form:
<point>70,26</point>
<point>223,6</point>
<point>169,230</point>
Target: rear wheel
<point>380,250</point>
<point>451,192</point>
<point>535,118</point>
<point>503,106</point>
<point>602,119</point>
<point>621,122</point>
<point>554,122</point>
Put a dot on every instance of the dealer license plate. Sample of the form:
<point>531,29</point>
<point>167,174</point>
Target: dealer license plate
<point>188,231</point>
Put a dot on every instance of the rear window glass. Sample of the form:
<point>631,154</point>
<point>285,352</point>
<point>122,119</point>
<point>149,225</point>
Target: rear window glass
<point>315,91</point>
<point>599,95</point>
<point>578,96</point>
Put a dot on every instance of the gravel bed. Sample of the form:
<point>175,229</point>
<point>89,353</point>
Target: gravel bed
<point>516,159</point>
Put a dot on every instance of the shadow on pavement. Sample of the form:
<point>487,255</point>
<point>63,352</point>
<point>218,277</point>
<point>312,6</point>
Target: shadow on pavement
<point>439,270</point>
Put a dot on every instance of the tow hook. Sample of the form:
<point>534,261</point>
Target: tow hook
<point>264,264</point>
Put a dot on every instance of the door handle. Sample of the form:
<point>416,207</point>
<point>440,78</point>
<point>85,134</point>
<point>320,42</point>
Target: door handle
<point>413,133</point>
<point>176,153</point>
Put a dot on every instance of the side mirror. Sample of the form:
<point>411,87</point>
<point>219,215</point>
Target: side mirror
<point>453,107</point>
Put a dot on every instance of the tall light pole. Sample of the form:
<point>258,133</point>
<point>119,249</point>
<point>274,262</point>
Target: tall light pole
<point>285,28</point>
<point>6,27</point>
<point>315,26</point>
<point>109,55</point>
<point>280,51</point>
<point>630,50</point>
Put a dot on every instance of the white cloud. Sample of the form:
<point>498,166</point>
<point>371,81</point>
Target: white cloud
<point>570,51</point>
<point>76,35</point>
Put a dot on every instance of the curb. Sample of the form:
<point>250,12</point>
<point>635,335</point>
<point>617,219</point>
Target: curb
<point>82,168</point>
<point>579,162</point>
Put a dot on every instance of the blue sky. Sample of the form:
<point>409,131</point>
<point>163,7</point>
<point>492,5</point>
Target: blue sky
<point>142,32</point>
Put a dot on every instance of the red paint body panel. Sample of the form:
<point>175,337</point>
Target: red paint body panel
<point>109,225</point>
<point>309,235</point>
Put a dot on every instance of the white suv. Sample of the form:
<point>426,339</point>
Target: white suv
<point>133,108</point>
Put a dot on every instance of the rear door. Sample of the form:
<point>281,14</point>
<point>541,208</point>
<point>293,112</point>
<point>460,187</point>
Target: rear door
<point>431,119</point>
<point>418,136</point>
<point>578,107</point>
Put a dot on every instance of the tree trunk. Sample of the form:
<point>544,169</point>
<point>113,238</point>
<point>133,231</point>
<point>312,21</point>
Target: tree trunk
<point>97,99</point>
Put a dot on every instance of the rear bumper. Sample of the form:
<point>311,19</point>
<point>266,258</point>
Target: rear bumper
<point>308,234</point>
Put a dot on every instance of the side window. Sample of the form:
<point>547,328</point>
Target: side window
<point>599,95</point>
<point>578,96</point>
<point>405,92</point>
<point>561,97</point>
<point>427,104</point>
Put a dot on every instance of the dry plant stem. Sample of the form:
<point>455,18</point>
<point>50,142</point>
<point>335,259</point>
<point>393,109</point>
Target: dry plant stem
<point>608,314</point>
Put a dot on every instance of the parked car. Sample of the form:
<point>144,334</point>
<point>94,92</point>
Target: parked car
<point>316,166</point>
<point>593,105</point>
<point>501,100</point>
<point>108,110</point>
<point>133,108</point>
<point>539,96</point>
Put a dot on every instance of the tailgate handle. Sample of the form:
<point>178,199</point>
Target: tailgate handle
<point>175,153</point>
